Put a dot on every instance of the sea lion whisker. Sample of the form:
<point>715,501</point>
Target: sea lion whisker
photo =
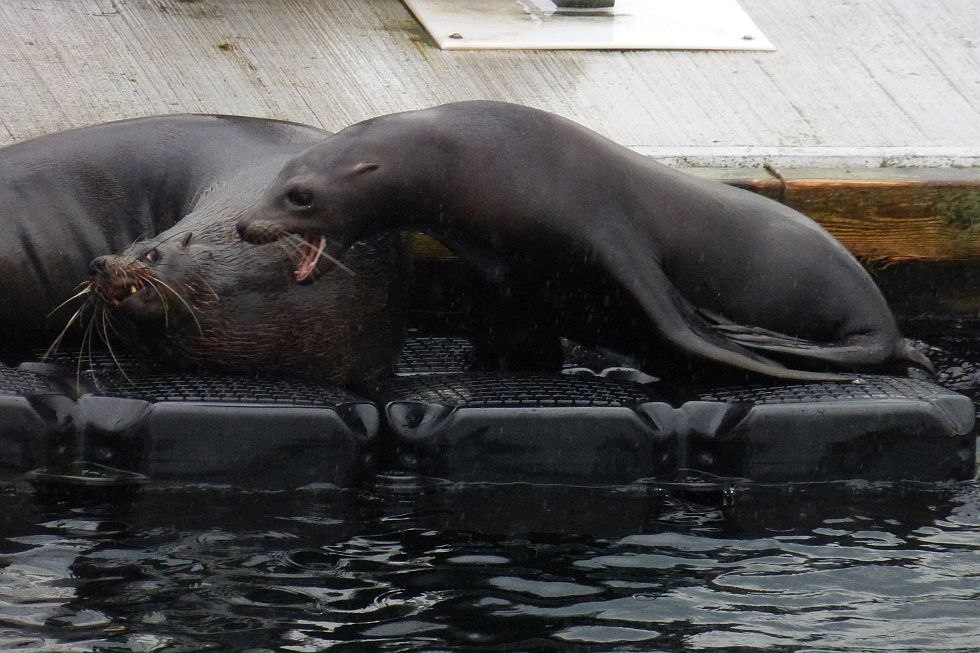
<point>197,282</point>
<point>86,290</point>
<point>53,348</point>
<point>112,324</point>
<point>139,255</point>
<point>150,282</point>
<point>291,243</point>
<point>187,305</point>
<point>201,194</point>
<point>336,243</point>
<point>176,234</point>
<point>337,262</point>
<point>86,339</point>
<point>294,246</point>
<point>287,262</point>
<point>108,345</point>
<point>204,282</point>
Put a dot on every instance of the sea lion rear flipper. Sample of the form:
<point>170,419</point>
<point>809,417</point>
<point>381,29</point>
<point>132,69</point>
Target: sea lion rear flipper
<point>756,337</point>
<point>856,351</point>
<point>680,323</point>
<point>761,339</point>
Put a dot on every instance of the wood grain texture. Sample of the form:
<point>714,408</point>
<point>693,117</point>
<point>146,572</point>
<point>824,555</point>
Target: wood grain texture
<point>884,221</point>
<point>848,77</point>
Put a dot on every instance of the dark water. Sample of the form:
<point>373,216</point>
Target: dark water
<point>399,567</point>
<point>406,564</point>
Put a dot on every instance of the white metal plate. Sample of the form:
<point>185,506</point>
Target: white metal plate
<point>630,25</point>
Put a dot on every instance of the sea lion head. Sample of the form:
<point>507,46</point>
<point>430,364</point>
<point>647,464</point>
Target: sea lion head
<point>325,210</point>
<point>150,283</point>
<point>209,301</point>
<point>350,185</point>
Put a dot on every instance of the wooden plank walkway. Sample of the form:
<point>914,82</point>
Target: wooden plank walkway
<point>878,82</point>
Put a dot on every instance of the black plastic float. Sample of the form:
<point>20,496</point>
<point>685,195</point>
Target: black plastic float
<point>170,426</point>
<point>594,430</point>
<point>436,418</point>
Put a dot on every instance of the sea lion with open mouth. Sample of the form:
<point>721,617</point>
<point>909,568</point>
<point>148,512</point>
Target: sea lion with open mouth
<point>595,239</point>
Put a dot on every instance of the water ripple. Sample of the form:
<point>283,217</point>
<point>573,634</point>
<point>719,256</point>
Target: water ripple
<point>175,571</point>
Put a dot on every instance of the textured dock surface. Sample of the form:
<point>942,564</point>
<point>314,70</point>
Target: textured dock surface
<point>883,82</point>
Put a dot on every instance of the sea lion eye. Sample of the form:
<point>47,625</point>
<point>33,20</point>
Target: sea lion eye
<point>299,199</point>
<point>152,256</point>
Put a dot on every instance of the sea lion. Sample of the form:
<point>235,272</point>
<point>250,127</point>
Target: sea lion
<point>197,297</point>
<point>68,197</point>
<point>620,249</point>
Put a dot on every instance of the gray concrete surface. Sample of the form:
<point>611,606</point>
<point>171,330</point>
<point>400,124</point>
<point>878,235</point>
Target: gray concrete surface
<point>871,83</point>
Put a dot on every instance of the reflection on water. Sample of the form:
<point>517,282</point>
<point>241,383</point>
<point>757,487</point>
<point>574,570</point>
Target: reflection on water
<point>411,566</point>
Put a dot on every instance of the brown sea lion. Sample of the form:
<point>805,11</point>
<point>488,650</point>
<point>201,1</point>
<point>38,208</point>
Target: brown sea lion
<point>202,299</point>
<point>592,238</point>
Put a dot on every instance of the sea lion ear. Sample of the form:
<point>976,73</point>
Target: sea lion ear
<point>186,240</point>
<point>365,166</point>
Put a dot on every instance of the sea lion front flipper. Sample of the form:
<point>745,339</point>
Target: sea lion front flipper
<point>679,322</point>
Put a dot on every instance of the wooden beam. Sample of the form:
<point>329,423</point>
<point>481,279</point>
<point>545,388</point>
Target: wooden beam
<point>926,217</point>
<point>883,216</point>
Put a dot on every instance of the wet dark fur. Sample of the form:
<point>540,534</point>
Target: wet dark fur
<point>239,311</point>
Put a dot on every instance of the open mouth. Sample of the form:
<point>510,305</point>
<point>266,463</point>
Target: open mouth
<point>312,248</point>
<point>129,292</point>
<point>115,290</point>
<point>311,252</point>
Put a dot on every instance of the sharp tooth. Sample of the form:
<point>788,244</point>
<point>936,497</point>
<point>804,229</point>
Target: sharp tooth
<point>132,290</point>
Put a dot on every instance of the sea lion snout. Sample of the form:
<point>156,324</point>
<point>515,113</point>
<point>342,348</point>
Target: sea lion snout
<point>113,279</point>
<point>255,230</point>
<point>243,228</point>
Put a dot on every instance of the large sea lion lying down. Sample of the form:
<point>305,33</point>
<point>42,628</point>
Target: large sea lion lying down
<point>582,234</point>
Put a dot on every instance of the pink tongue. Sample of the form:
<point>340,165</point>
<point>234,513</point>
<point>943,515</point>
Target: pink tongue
<point>312,250</point>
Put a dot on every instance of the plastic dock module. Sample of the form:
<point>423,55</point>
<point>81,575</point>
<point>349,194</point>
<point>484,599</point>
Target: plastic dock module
<point>881,428</point>
<point>576,429</point>
<point>256,433</point>
<point>547,429</point>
